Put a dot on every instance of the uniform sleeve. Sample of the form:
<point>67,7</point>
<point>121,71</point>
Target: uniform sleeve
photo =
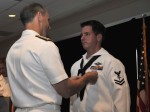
<point>119,86</point>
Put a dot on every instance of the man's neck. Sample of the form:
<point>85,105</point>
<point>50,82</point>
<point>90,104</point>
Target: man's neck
<point>91,52</point>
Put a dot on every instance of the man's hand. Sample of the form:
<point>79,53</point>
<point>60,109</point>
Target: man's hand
<point>74,84</point>
<point>91,77</point>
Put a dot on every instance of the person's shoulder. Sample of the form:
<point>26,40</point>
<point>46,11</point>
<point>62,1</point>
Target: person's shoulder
<point>116,62</point>
<point>45,43</point>
<point>109,58</point>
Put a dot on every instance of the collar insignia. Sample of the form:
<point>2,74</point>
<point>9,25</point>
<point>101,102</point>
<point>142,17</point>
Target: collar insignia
<point>42,37</point>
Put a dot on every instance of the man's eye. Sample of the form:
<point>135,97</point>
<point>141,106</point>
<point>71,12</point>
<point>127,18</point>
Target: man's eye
<point>86,34</point>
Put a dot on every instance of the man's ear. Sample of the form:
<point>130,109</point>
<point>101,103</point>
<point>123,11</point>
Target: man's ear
<point>99,37</point>
<point>39,16</point>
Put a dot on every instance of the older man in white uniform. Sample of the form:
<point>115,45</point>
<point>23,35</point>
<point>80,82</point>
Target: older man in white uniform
<point>36,73</point>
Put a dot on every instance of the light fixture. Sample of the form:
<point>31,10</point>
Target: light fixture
<point>12,15</point>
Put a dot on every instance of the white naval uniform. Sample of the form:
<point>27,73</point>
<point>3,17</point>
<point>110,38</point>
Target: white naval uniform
<point>33,65</point>
<point>111,92</point>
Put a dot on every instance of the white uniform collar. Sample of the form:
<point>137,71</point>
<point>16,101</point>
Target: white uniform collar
<point>100,52</point>
<point>29,32</point>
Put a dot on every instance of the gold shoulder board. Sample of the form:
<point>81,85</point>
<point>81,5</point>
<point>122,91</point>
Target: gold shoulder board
<point>42,37</point>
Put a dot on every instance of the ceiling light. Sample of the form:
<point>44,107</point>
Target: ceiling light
<point>12,15</point>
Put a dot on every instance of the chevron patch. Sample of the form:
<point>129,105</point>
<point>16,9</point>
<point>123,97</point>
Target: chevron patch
<point>120,82</point>
<point>119,79</point>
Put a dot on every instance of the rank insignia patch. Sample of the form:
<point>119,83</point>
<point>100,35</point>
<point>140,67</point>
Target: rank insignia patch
<point>119,79</point>
<point>42,37</point>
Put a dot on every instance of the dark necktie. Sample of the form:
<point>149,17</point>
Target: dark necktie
<point>82,72</point>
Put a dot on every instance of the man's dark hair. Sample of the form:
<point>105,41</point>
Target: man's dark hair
<point>29,12</point>
<point>97,27</point>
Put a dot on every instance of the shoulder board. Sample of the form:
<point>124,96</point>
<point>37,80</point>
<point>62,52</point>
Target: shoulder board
<point>42,37</point>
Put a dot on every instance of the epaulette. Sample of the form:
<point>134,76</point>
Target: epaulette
<point>42,37</point>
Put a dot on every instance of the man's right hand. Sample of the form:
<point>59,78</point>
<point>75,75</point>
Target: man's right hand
<point>73,85</point>
<point>91,77</point>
